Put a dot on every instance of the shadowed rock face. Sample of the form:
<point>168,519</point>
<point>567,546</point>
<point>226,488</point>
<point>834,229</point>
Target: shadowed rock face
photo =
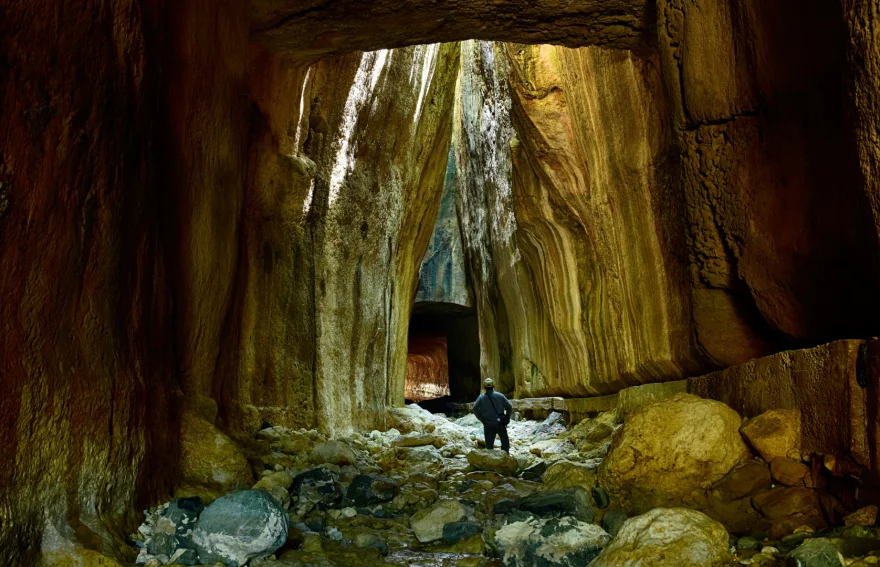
<point>308,30</point>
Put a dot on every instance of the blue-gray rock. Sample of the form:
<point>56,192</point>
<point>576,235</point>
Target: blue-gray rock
<point>239,527</point>
<point>818,552</point>
<point>366,490</point>
<point>573,502</point>
<point>454,532</point>
<point>613,520</point>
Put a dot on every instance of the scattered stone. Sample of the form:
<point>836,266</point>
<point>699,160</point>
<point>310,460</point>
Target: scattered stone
<point>789,472</point>
<point>613,520</point>
<point>454,532</point>
<point>817,552</point>
<point>556,542</point>
<point>211,464</point>
<point>572,502</point>
<point>781,502</point>
<point>333,452</point>
<point>667,537</point>
<point>747,544</point>
<point>566,474</point>
<point>535,471</point>
<point>417,440</point>
<point>367,490</point>
<point>367,540</point>
<point>744,480</point>
<point>494,460</point>
<point>428,523</point>
<point>277,485</point>
<point>600,497</point>
<point>668,449</point>
<point>239,527</point>
<point>318,487</point>
<point>866,516</point>
<point>774,433</point>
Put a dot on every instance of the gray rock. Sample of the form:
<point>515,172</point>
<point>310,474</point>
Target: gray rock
<point>367,490</point>
<point>817,552</point>
<point>613,520</point>
<point>535,472</point>
<point>318,487</point>
<point>239,527</point>
<point>184,557</point>
<point>555,542</point>
<point>573,502</point>
<point>600,497</point>
<point>748,544</point>
<point>454,532</point>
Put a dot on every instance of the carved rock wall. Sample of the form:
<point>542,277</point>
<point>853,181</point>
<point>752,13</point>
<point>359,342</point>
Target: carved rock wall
<point>122,163</point>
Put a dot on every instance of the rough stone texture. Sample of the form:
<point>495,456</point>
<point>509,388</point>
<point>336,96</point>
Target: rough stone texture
<point>211,464</point>
<point>774,433</point>
<point>313,29</point>
<point>821,382</point>
<point>442,277</point>
<point>239,527</point>
<point>428,523</point>
<point>118,231</point>
<point>493,460</point>
<point>564,474</point>
<point>546,252</point>
<point>767,239</point>
<point>671,448</point>
<point>559,542</point>
<point>667,538</point>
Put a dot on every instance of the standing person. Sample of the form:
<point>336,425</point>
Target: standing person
<point>493,410</point>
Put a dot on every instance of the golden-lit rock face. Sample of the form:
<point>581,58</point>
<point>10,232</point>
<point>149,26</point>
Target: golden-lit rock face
<point>590,272</point>
<point>312,29</point>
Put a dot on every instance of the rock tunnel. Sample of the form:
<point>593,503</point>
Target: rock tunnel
<point>218,216</point>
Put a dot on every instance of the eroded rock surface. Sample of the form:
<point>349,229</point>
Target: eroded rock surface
<point>670,448</point>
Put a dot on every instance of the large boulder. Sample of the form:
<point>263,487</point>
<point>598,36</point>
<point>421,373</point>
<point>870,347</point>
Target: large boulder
<point>555,542</point>
<point>774,433</point>
<point>573,502</point>
<point>239,527</point>
<point>669,449</point>
<point>428,523</point>
<point>667,537</point>
<point>494,460</point>
<point>211,464</point>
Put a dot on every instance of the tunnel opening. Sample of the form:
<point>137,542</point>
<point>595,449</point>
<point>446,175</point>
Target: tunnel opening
<point>443,362</point>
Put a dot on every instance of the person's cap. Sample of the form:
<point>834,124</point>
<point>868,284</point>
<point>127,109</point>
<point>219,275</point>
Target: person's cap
<point>489,383</point>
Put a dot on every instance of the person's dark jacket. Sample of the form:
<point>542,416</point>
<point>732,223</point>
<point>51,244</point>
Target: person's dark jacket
<point>488,404</point>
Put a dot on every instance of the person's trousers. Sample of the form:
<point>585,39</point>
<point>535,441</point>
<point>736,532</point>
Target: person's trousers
<point>490,431</point>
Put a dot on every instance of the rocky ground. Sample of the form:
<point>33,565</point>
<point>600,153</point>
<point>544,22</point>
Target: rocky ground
<point>680,482</point>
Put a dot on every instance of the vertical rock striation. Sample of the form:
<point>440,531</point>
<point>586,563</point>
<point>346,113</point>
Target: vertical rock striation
<point>573,226</point>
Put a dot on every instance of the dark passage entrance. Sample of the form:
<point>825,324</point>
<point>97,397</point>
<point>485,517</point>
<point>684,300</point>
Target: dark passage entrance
<point>443,363</point>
